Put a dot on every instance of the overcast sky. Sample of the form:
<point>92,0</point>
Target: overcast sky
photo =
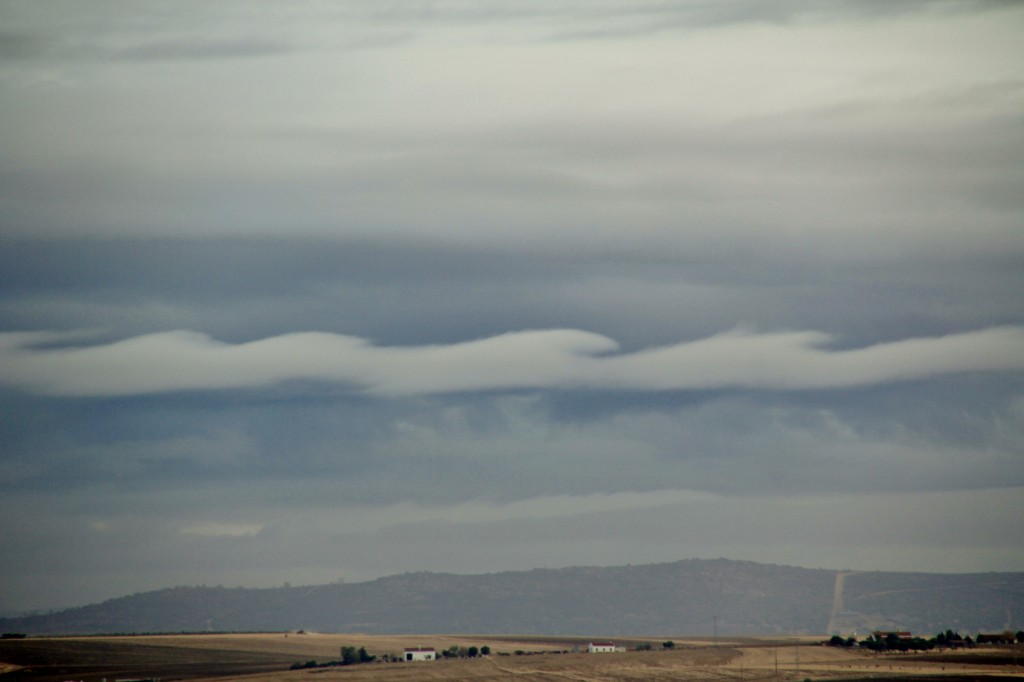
<point>300,291</point>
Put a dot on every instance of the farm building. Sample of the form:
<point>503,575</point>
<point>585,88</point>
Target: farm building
<point>420,654</point>
<point>601,648</point>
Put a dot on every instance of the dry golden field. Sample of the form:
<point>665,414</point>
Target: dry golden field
<point>266,657</point>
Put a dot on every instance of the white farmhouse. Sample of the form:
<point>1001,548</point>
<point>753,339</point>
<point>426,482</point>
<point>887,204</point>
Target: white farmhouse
<point>601,648</point>
<point>420,654</point>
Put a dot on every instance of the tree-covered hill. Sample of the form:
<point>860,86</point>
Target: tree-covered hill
<point>684,597</point>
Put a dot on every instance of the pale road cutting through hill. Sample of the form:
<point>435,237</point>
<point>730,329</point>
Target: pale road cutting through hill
<point>837,600</point>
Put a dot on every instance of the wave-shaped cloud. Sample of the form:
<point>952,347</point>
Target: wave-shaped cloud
<point>545,359</point>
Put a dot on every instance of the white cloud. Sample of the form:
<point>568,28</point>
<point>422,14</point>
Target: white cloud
<point>548,359</point>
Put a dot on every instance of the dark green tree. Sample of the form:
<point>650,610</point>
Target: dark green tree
<point>873,643</point>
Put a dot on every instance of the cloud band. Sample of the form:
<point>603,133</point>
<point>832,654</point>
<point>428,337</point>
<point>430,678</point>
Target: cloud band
<point>547,359</point>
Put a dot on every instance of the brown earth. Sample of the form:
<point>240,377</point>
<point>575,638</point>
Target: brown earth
<point>267,657</point>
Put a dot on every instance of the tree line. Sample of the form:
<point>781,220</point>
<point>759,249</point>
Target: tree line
<point>349,656</point>
<point>891,641</point>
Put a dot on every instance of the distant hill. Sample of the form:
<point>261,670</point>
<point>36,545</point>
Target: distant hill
<point>680,598</point>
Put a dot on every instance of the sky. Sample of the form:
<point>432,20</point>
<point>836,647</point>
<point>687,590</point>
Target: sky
<point>316,291</point>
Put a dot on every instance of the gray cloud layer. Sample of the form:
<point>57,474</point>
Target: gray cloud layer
<point>458,280</point>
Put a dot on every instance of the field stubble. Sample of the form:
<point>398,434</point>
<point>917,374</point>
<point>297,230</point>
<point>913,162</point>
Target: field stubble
<point>266,657</point>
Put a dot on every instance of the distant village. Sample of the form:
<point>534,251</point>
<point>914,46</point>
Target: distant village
<point>350,655</point>
<point>429,654</point>
<point>877,641</point>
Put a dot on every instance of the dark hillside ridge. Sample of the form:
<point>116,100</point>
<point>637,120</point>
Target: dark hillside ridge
<point>691,597</point>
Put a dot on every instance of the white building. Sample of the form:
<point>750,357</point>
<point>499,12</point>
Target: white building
<point>601,648</point>
<point>420,654</point>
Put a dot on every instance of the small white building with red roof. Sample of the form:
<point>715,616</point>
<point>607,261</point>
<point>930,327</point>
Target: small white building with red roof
<point>420,654</point>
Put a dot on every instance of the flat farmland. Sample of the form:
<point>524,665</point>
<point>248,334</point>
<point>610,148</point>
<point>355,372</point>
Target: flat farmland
<point>267,658</point>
